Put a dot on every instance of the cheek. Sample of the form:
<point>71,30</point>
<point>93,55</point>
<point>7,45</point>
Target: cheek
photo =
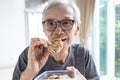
<point>71,36</point>
<point>47,34</point>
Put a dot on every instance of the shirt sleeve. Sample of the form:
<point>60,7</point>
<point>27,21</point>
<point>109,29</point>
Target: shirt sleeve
<point>91,72</point>
<point>21,65</point>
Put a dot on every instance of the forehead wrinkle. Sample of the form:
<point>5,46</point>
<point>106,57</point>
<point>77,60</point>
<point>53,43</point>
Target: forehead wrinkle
<point>58,18</point>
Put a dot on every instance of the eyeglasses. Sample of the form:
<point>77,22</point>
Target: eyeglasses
<point>51,24</point>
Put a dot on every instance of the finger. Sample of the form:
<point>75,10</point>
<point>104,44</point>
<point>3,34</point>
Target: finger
<point>45,48</point>
<point>35,39</point>
<point>71,68</point>
<point>45,43</point>
<point>40,45</point>
<point>35,48</point>
<point>36,43</point>
<point>49,42</point>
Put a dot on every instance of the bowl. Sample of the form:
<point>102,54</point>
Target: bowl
<point>66,75</point>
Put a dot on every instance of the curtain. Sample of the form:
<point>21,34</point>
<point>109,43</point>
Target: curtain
<point>87,10</point>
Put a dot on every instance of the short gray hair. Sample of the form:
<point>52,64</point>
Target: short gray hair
<point>70,3</point>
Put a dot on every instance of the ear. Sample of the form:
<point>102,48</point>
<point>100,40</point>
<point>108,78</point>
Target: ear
<point>77,30</point>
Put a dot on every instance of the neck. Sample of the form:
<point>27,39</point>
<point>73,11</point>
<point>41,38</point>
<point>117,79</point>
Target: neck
<point>59,58</point>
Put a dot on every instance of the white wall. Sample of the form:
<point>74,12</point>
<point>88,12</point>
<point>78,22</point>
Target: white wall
<point>12,35</point>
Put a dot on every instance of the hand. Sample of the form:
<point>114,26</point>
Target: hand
<point>79,75</point>
<point>37,57</point>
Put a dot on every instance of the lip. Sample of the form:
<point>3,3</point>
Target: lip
<point>60,38</point>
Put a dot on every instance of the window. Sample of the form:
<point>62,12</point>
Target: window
<point>106,38</point>
<point>33,18</point>
<point>117,40</point>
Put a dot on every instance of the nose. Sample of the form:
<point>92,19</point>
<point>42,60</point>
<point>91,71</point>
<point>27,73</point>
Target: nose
<point>58,29</point>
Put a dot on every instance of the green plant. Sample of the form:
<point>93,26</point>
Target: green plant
<point>117,50</point>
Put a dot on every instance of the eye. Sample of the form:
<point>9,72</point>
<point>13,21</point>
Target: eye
<point>50,23</point>
<point>67,23</point>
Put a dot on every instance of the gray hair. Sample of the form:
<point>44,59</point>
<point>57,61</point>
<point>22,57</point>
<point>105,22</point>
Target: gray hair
<point>70,3</point>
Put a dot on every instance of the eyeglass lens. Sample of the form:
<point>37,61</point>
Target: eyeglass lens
<point>52,24</point>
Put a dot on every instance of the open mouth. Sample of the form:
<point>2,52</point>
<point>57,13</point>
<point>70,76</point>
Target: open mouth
<point>64,39</point>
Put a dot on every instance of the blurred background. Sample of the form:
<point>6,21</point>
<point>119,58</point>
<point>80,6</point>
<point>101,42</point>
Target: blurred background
<point>100,32</point>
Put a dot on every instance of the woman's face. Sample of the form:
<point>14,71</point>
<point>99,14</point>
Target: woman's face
<point>61,12</point>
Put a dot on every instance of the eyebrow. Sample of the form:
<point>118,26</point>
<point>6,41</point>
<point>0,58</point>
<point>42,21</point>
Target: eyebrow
<point>68,17</point>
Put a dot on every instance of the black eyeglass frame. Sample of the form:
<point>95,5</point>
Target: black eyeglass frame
<point>58,22</point>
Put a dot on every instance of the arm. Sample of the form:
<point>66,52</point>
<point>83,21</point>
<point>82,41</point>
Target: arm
<point>21,65</point>
<point>35,60</point>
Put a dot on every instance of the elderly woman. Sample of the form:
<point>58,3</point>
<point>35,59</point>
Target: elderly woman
<point>61,23</point>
